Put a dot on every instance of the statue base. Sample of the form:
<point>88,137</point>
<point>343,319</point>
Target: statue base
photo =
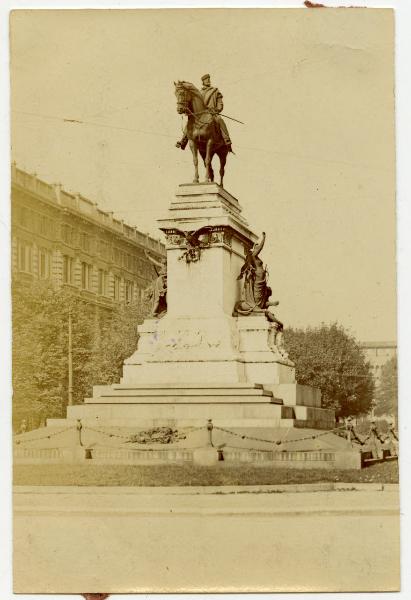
<point>192,404</point>
<point>221,349</point>
<point>200,362</point>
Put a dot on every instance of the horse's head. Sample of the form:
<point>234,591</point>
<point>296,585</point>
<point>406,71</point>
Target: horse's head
<point>183,97</point>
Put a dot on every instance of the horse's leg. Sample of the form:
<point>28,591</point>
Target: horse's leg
<point>208,159</point>
<point>211,167</point>
<point>203,153</point>
<point>223,157</point>
<point>193,148</point>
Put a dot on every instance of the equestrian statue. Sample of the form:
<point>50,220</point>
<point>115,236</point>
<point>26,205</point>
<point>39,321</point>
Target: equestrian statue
<point>206,132</point>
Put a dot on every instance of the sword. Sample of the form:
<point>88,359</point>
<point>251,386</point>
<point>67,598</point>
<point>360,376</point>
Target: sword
<point>232,119</point>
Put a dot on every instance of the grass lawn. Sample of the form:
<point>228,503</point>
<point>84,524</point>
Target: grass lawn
<point>188,474</point>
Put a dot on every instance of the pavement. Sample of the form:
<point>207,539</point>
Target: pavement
<point>326,537</point>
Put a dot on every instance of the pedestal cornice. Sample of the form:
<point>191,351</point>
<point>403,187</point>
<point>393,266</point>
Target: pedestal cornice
<point>198,205</point>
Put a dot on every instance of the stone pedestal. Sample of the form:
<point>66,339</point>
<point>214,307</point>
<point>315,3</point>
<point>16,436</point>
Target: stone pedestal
<point>200,362</point>
<point>208,287</point>
<point>199,340</point>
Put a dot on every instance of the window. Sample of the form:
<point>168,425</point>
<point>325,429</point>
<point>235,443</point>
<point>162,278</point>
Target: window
<point>24,216</point>
<point>117,283</point>
<point>24,259</point>
<point>43,225</point>
<point>129,292</point>
<point>67,234</point>
<point>86,272</point>
<point>102,282</point>
<point>117,256</point>
<point>44,263</point>
<point>85,241</point>
<point>104,250</point>
<point>68,269</point>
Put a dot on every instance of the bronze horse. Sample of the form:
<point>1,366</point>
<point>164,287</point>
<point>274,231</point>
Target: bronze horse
<point>203,131</point>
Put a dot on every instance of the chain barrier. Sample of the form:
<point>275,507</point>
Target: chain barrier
<point>188,431</point>
<point>192,429</point>
<point>277,442</point>
<point>44,437</point>
<point>245,437</point>
<point>24,442</point>
<point>314,437</point>
<point>116,435</point>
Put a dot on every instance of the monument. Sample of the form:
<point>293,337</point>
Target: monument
<point>212,346</point>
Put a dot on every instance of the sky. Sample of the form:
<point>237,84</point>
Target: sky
<point>314,164</point>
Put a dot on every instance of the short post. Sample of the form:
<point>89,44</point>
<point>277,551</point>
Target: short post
<point>349,428</point>
<point>210,432</point>
<point>88,453</point>
<point>79,427</point>
<point>207,456</point>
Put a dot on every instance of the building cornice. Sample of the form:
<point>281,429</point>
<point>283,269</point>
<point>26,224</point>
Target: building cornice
<point>64,202</point>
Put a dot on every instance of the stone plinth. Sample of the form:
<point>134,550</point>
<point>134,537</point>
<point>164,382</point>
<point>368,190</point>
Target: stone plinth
<point>199,340</point>
<point>209,349</point>
<point>183,349</point>
<point>262,363</point>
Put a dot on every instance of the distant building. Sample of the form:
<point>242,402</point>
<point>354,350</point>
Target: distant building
<point>67,239</point>
<point>377,354</point>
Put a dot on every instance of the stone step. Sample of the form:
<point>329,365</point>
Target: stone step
<point>175,392</point>
<point>183,399</point>
<point>105,412</point>
<point>186,386</point>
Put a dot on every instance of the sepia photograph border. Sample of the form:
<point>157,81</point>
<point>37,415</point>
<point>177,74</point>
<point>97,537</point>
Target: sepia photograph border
<point>403,136</point>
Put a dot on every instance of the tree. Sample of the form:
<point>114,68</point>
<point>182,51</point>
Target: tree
<point>101,340</point>
<point>387,391</point>
<point>329,358</point>
<point>116,340</point>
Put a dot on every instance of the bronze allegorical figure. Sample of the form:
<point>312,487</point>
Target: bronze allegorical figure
<point>256,293</point>
<point>156,293</point>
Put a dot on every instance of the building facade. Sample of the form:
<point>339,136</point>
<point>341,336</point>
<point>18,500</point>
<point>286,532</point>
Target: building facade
<point>377,354</point>
<point>66,239</point>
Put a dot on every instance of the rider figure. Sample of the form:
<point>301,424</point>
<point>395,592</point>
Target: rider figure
<point>213,99</point>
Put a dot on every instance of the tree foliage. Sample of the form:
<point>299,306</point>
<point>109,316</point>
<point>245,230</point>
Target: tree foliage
<point>329,358</point>
<point>101,340</point>
<point>387,391</point>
